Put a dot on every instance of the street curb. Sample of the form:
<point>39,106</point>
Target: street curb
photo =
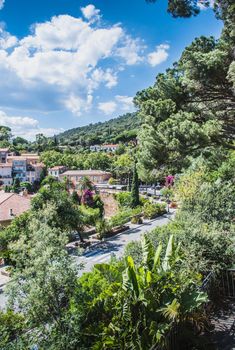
<point>136,227</point>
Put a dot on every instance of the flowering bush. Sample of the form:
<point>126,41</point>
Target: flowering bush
<point>169,180</point>
<point>87,198</point>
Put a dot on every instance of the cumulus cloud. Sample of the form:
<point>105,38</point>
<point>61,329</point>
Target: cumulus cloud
<point>159,55</point>
<point>107,107</point>
<point>76,104</point>
<point>25,126</point>
<point>131,50</point>
<point>2,4</point>
<point>6,40</point>
<point>125,103</point>
<point>90,12</point>
<point>108,77</point>
<point>60,64</point>
<point>121,103</point>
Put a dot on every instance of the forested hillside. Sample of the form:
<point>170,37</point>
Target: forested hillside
<point>122,129</point>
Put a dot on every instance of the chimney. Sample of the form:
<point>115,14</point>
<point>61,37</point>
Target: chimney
<point>11,212</point>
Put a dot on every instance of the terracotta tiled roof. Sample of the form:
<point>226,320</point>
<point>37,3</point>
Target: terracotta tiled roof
<point>58,167</point>
<point>38,165</point>
<point>4,149</point>
<point>34,155</point>
<point>85,173</point>
<point>16,158</point>
<point>12,202</point>
<point>24,156</point>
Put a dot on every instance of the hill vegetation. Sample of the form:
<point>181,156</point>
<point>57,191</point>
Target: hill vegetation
<point>121,129</point>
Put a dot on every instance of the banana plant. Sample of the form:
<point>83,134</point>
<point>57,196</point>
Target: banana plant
<point>154,298</point>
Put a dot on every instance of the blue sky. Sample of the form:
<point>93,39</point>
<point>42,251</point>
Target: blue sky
<point>66,63</point>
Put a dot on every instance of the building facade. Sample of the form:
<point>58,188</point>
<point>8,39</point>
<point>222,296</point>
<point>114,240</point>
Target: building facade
<point>56,171</point>
<point>33,172</point>
<point>96,176</point>
<point>5,174</point>
<point>26,167</point>
<point>3,154</point>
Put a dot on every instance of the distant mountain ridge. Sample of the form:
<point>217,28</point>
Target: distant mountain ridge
<point>120,129</point>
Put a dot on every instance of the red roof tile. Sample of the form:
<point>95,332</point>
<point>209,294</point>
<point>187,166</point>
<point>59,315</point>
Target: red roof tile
<point>12,202</point>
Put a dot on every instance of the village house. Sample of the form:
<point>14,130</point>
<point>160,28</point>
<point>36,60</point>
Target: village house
<point>34,172</point>
<point>96,176</point>
<point>3,154</point>
<point>26,167</point>
<point>104,148</point>
<point>11,206</point>
<point>5,174</point>
<point>56,171</point>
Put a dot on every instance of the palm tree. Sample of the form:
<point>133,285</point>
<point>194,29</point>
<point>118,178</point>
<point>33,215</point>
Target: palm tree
<point>86,184</point>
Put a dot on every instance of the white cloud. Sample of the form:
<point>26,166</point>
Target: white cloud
<point>121,103</point>
<point>90,12</point>
<point>63,62</point>
<point>25,126</point>
<point>6,40</point>
<point>108,77</point>
<point>125,103</point>
<point>107,107</point>
<point>2,4</point>
<point>130,51</point>
<point>159,55</point>
<point>76,104</point>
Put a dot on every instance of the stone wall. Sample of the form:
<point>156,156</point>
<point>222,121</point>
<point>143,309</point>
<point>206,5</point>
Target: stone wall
<point>110,204</point>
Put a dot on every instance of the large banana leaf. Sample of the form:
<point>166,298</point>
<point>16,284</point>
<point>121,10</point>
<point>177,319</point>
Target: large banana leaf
<point>156,261</point>
<point>147,251</point>
<point>130,281</point>
<point>169,253</point>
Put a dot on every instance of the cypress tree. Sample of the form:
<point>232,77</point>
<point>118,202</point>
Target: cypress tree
<point>135,200</point>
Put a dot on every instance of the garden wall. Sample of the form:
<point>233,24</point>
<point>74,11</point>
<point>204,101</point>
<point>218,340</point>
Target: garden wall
<point>110,204</point>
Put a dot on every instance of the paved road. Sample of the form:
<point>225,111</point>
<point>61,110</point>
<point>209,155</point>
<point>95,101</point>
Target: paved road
<point>114,246</point>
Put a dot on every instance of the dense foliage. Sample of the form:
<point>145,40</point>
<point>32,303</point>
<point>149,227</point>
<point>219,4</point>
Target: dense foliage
<point>189,111</point>
<point>138,301</point>
<point>122,129</point>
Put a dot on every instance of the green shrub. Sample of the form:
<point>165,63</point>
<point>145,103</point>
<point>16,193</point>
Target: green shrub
<point>124,216</point>
<point>143,200</point>
<point>124,199</point>
<point>91,216</point>
<point>112,181</point>
<point>167,192</point>
<point>103,228</point>
<point>121,218</point>
<point>153,210</point>
<point>137,220</point>
<point>98,204</point>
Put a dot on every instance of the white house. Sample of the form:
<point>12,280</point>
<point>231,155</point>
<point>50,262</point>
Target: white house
<point>56,171</point>
<point>5,174</point>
